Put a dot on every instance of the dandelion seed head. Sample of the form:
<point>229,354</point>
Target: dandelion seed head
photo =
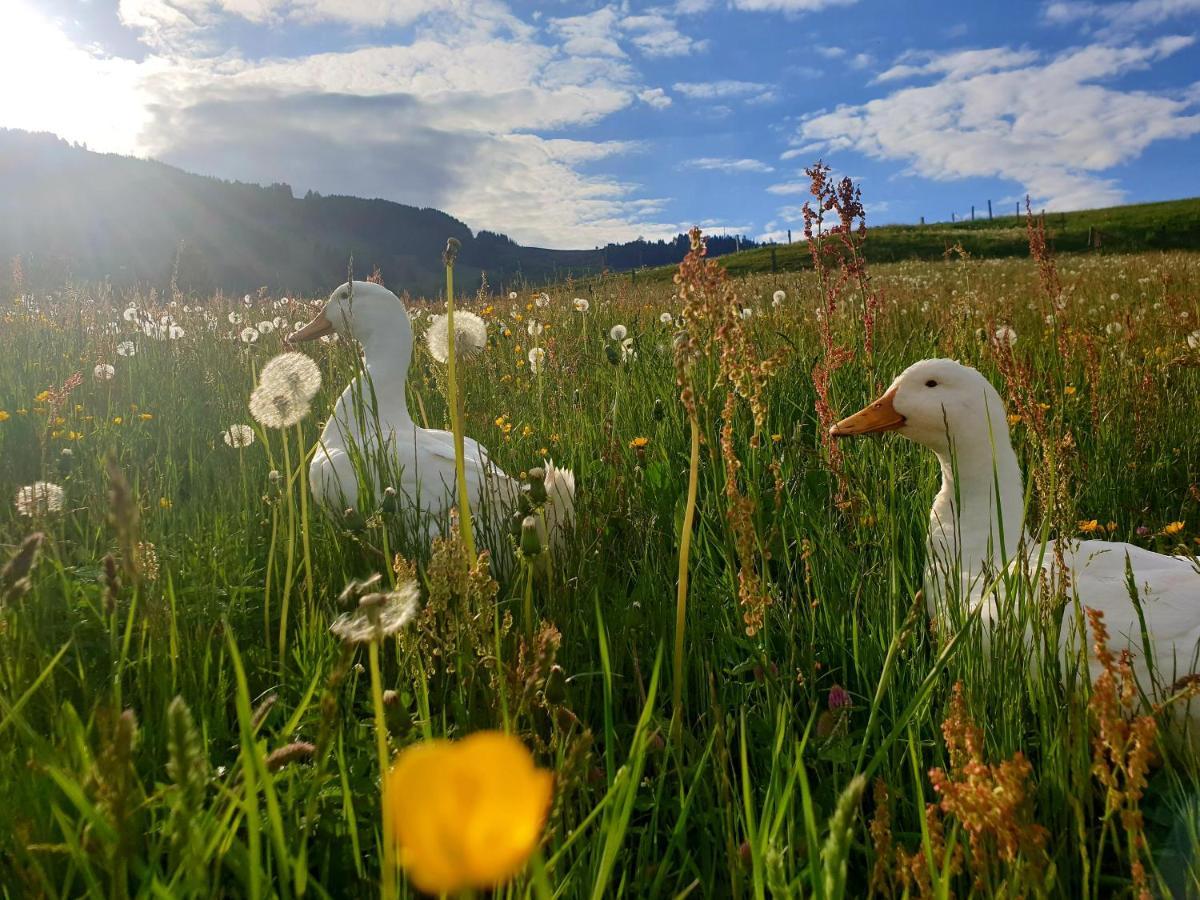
<point>666,318</point>
<point>378,615</point>
<point>537,359</point>
<point>235,318</point>
<point>618,332</point>
<point>104,372</point>
<point>1006,336</point>
<point>581,304</point>
<point>293,374</point>
<point>248,335</point>
<point>534,328</point>
<point>39,498</point>
<point>126,348</point>
<point>238,436</point>
<point>275,409</point>
<point>542,301</point>
<point>470,335</point>
<point>778,297</point>
<point>175,332</point>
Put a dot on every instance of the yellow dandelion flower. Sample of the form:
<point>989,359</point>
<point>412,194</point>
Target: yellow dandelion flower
<point>1069,390</point>
<point>1172,529</point>
<point>164,503</point>
<point>1014,419</point>
<point>499,421</point>
<point>1089,526</point>
<point>4,416</point>
<point>466,814</point>
<point>639,443</point>
<point>542,451</point>
<point>42,397</point>
<point>146,417</point>
<point>74,435</point>
<point>776,438</point>
<point>117,420</point>
<point>526,431</point>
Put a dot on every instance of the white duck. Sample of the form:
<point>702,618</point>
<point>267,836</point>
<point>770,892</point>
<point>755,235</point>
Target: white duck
<point>976,527</point>
<point>372,416</point>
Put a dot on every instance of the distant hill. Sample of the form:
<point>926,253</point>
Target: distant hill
<point>69,213</point>
<point>1170,225</point>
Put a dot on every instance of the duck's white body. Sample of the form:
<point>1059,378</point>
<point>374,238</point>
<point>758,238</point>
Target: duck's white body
<point>977,531</point>
<point>371,423</point>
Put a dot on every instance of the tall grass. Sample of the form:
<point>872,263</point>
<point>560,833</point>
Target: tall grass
<point>139,703</point>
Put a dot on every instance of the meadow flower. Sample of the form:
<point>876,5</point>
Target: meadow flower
<point>1172,529</point>
<point>1005,336</point>
<point>4,416</point>
<point>470,335</point>
<point>235,318</point>
<point>248,335</point>
<point>238,436</point>
<point>130,314</point>
<point>628,354</point>
<point>1114,328</point>
<point>666,318</point>
<point>581,304</point>
<point>466,814</point>
<point>778,297</point>
<point>39,498</point>
<point>292,373</point>
<point>265,327</point>
<point>104,372</point>
<point>747,312</point>
<point>378,615</point>
<point>1089,526</point>
<point>542,301</point>
<point>174,332</point>
<point>618,332</point>
<point>126,348</point>
<point>512,295</point>
<point>534,328</point>
<point>277,409</point>
<point>1193,340</point>
<point>537,359</point>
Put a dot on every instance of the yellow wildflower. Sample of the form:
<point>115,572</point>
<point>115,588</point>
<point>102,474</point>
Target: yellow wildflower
<point>1014,419</point>
<point>42,397</point>
<point>776,438</point>
<point>1172,529</point>
<point>146,417</point>
<point>1089,526</point>
<point>74,435</point>
<point>526,431</point>
<point>117,420</point>
<point>1069,390</point>
<point>4,416</point>
<point>164,503</point>
<point>466,814</point>
<point>639,443</point>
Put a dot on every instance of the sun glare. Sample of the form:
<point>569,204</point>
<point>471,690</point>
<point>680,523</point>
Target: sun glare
<point>53,84</point>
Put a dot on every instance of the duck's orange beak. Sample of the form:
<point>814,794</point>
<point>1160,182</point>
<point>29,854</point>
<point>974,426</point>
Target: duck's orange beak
<point>879,416</point>
<point>318,327</point>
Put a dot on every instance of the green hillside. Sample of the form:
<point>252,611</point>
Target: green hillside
<point>1171,225</point>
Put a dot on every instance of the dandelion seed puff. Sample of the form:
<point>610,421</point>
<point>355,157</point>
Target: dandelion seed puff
<point>1114,328</point>
<point>130,314</point>
<point>618,332</point>
<point>151,330</point>
<point>104,372</point>
<point>275,409</point>
<point>248,335</point>
<point>235,318</point>
<point>470,335</point>
<point>537,358</point>
<point>534,329</point>
<point>628,354</point>
<point>246,300</point>
<point>126,348</point>
<point>581,304</point>
<point>666,318</point>
<point>512,295</point>
<point>292,373</point>
<point>238,436</point>
<point>542,301</point>
<point>39,498</point>
<point>378,615</point>
<point>175,332</point>
<point>778,297</point>
<point>265,327</point>
<point>747,312</point>
<point>1006,336</point>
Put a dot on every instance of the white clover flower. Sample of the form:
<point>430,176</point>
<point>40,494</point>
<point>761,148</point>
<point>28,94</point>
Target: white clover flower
<point>537,359</point>
<point>1193,340</point>
<point>1006,336</point>
<point>778,297</point>
<point>292,373</point>
<point>378,615</point>
<point>581,304</point>
<point>618,333</point>
<point>275,408</point>
<point>39,498</point>
<point>470,335</point>
<point>238,436</point>
<point>104,372</point>
<point>666,318</point>
<point>248,335</point>
<point>126,348</point>
<point>235,318</point>
<point>542,301</point>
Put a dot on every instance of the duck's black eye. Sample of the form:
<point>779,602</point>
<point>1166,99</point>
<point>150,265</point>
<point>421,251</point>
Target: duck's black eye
<point>931,383</point>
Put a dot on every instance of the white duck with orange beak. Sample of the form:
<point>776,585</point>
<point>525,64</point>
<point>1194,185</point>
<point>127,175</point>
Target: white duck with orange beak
<point>371,417</point>
<point>977,529</point>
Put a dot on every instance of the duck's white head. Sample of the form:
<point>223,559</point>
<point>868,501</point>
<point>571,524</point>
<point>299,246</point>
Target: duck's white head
<point>361,310</point>
<point>935,402</point>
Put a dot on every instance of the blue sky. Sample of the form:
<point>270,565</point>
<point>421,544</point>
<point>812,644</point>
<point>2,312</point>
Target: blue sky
<point>571,124</point>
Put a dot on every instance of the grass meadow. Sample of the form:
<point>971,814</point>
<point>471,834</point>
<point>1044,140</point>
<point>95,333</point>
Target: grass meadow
<point>177,719</point>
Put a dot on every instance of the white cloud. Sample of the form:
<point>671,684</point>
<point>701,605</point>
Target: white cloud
<point>723,164</point>
<point>601,32</point>
<point>655,97</point>
<point>958,64</point>
<point>593,34</point>
<point>1046,125</point>
<point>789,6</point>
<point>725,89</point>
<point>1117,18</point>
<point>656,35</point>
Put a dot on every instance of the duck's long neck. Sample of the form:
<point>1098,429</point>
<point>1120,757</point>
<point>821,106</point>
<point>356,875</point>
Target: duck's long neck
<point>977,518</point>
<point>385,374</point>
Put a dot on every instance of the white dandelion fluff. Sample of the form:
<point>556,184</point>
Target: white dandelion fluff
<point>1193,340</point>
<point>175,332</point>
<point>628,354</point>
<point>130,314</point>
<point>747,312</point>
<point>618,332</point>
<point>248,335</point>
<point>581,304</point>
<point>104,372</point>
<point>537,359</point>
<point>1006,336</point>
<point>292,373</point>
<point>265,327</point>
<point>39,498</point>
<point>277,409</point>
<point>238,436</point>
<point>778,297</point>
<point>512,295</point>
<point>666,318</point>
<point>378,615</point>
<point>126,348</point>
<point>235,318</point>
<point>534,328</point>
<point>1114,328</point>
<point>470,335</point>
<point>542,301</point>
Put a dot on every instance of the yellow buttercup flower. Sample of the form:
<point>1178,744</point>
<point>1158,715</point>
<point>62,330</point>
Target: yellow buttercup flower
<point>466,814</point>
